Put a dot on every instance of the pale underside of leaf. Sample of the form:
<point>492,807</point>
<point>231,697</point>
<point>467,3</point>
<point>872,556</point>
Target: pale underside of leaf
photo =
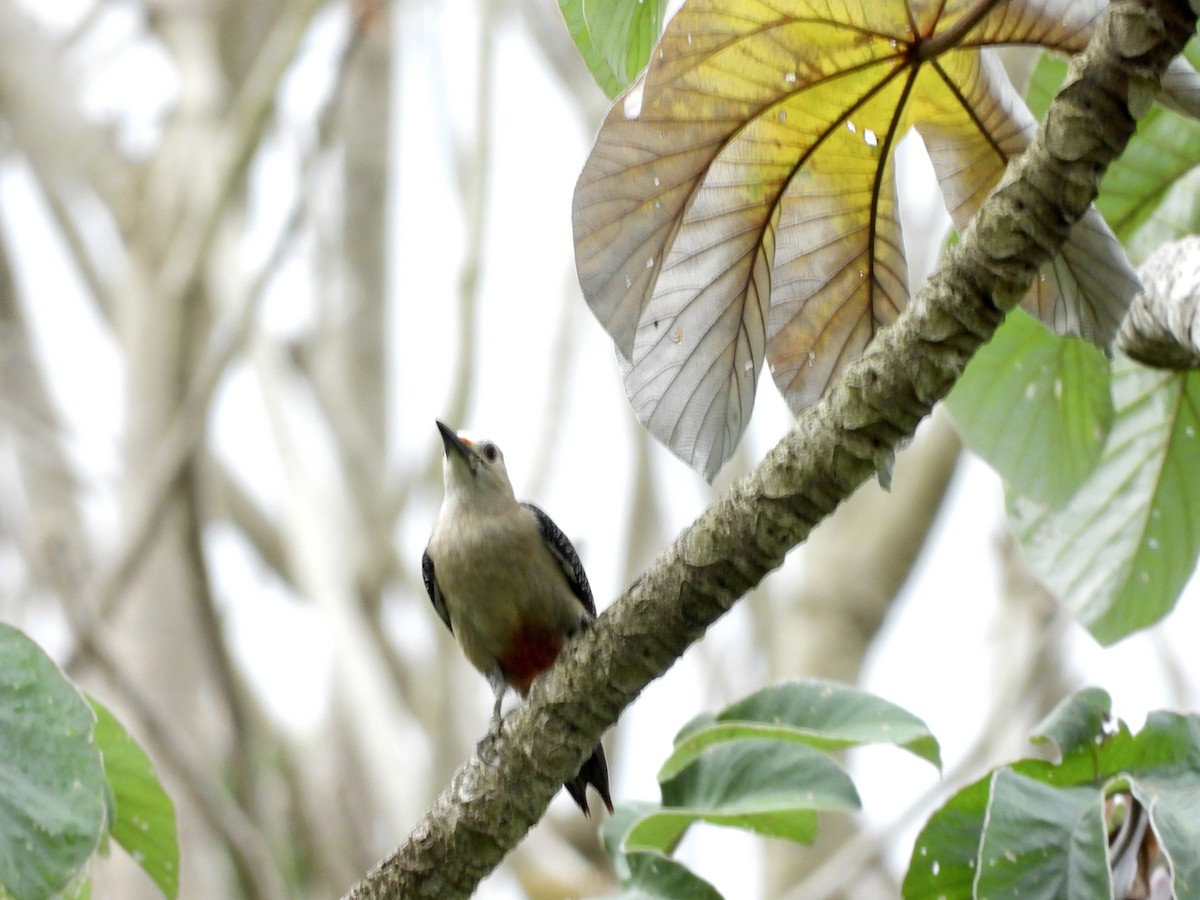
<point>739,203</point>
<point>696,361</point>
<point>840,272</point>
<point>1085,290</point>
<point>679,251</point>
<point>1063,25</point>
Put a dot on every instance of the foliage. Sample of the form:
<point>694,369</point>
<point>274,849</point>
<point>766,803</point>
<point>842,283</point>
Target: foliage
<point>762,764</point>
<point>1034,828</point>
<point>1108,520</point>
<point>1042,829</point>
<point>740,205</point>
<point>758,221</point>
<point>70,776</point>
<point>1120,550</point>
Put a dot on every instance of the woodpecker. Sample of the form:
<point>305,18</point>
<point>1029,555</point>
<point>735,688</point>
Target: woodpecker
<point>506,581</point>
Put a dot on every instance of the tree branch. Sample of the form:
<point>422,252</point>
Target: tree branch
<point>836,445</point>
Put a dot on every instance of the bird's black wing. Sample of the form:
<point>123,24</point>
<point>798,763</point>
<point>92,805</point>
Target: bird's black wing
<point>435,592</point>
<point>565,553</point>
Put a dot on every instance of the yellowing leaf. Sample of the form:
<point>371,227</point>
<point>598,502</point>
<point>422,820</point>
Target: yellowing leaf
<point>740,202</point>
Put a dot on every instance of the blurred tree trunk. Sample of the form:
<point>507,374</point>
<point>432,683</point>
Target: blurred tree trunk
<point>165,630</point>
<point>344,359</point>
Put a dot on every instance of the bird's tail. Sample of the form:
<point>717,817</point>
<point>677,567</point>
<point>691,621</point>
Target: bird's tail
<point>595,773</point>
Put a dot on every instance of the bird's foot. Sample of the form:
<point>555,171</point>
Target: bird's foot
<point>486,748</point>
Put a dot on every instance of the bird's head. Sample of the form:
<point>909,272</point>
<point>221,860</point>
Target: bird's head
<point>473,467</point>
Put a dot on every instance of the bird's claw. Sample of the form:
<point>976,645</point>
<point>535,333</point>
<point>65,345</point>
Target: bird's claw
<point>486,748</point>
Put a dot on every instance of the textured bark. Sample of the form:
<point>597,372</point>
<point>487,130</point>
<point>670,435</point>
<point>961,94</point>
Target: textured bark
<point>836,445</point>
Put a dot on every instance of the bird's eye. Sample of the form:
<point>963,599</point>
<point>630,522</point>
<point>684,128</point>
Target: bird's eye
<point>489,452</point>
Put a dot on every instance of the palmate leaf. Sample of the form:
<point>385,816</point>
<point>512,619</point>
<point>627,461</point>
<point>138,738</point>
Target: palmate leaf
<point>739,205</point>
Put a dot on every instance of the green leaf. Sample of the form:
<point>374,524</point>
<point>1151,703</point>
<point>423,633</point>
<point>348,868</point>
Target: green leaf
<point>1121,550</point>
<point>1026,390</point>
<point>1169,742</point>
<point>52,789</point>
<point>1073,725</point>
<point>822,714</point>
<point>1148,195</point>
<point>770,787</point>
<point>576,24</point>
<point>1036,828</point>
<point>1047,77</point>
<point>657,877</point>
<point>625,31</point>
<point>944,856</point>
<point>144,823</point>
<point>1043,842</point>
<point>1153,181</point>
<point>1164,151</point>
<point>614,37</point>
<point>616,827</point>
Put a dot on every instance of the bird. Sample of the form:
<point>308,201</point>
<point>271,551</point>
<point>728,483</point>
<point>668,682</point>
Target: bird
<point>507,583</point>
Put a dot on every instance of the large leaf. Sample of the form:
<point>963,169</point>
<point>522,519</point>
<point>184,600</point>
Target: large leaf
<point>144,820</point>
<point>771,787</point>
<point>943,861</point>
<point>820,714</point>
<point>1121,551</point>
<point>740,202</point>
<point>1037,829</point>
<point>759,764</point>
<point>52,790</point>
<point>1026,390</point>
<point>1043,842</point>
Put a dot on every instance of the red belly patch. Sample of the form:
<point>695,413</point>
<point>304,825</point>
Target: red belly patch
<point>531,651</point>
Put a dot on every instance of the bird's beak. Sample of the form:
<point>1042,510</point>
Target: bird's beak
<point>454,444</point>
